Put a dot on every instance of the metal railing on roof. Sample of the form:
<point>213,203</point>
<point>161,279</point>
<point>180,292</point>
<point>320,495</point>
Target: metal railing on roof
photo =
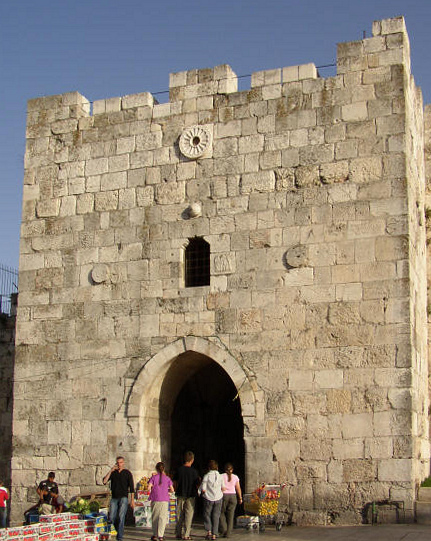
<point>8,288</point>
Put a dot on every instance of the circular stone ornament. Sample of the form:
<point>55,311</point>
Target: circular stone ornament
<point>195,141</point>
<point>100,273</point>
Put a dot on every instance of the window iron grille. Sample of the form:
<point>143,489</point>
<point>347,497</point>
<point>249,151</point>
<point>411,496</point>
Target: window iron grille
<point>197,263</point>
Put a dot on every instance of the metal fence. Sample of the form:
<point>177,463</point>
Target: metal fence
<point>8,287</point>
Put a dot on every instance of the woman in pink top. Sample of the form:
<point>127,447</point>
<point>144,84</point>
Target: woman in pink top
<point>160,486</point>
<point>231,496</point>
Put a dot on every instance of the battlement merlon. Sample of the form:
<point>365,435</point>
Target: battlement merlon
<point>388,46</point>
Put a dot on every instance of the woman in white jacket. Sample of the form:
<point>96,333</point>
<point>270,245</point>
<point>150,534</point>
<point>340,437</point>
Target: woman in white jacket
<point>212,489</point>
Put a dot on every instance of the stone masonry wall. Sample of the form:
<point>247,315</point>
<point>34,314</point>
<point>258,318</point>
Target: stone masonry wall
<point>310,193</point>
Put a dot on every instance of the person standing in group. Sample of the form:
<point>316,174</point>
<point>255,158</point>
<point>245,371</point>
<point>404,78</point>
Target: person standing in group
<point>121,484</point>
<point>4,496</point>
<point>231,496</point>
<point>186,484</point>
<point>160,486</point>
<point>212,489</point>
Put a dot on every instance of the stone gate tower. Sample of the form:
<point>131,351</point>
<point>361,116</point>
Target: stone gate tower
<point>252,259</point>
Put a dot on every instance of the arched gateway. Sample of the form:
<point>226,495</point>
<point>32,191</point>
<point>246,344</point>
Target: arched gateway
<point>158,396</point>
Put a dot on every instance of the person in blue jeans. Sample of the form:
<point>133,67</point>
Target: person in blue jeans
<point>121,485</point>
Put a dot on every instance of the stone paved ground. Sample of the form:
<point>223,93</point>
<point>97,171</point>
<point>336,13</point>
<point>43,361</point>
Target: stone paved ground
<point>392,532</point>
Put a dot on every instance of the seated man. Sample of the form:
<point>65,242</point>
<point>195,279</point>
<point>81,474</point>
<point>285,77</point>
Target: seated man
<point>45,507</point>
<point>57,501</point>
<point>46,486</point>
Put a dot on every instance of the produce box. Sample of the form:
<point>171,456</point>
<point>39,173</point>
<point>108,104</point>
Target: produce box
<point>142,513</point>
<point>46,528</point>
<point>247,521</point>
<point>31,529</point>
<point>172,509</point>
<point>60,517</point>
<point>15,532</point>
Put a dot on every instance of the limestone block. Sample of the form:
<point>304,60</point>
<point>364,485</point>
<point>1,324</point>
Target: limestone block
<point>294,427</point>
<point>225,147</point>
<point>59,432</point>
<point>334,172</point>
<point>149,141</point>
<point>328,379</point>
<point>265,124</point>
<point>171,192</point>
<point>144,99</point>
<point>270,160</point>
<point>48,208</point>
<point>354,112</point>
<point>285,451</point>
<point>316,154</point>
<point>231,165</point>
<point>178,79</point>
<point>357,425</point>
<point>290,73</point>
<point>47,312</point>
<point>106,201</point>
<point>311,470</point>
<point>271,92</point>
<point>263,181</point>
<point>359,470</point>
<point>395,470</point>
<point>363,170</point>
<point>228,129</point>
<point>338,400</point>
<point>118,163</point>
<point>315,450</point>
<point>96,166</point>
<point>300,380</point>
<point>378,448</point>
<point>113,181</point>
<point>277,142</point>
<point>389,26</point>
<point>30,262</point>
<point>319,293</point>
<point>306,176</point>
<point>348,449</point>
<point>251,143</point>
<point>149,325</point>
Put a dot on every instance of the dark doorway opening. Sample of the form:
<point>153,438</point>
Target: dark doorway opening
<point>206,417</point>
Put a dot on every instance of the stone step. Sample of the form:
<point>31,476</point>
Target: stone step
<point>423,512</point>
<point>424,494</point>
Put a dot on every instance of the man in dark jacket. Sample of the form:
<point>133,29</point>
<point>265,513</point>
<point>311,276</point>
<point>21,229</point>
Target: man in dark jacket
<point>121,484</point>
<point>186,483</point>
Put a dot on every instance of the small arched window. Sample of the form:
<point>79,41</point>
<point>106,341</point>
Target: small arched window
<point>197,263</point>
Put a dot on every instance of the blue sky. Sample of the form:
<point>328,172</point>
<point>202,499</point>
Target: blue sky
<point>107,48</point>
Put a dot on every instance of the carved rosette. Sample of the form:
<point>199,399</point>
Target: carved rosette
<point>195,141</point>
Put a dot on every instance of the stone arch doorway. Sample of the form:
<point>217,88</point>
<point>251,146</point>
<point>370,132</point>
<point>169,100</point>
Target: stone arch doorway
<point>200,409</point>
<point>154,394</point>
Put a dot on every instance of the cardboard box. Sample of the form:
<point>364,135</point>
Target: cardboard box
<point>247,521</point>
<point>15,532</point>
